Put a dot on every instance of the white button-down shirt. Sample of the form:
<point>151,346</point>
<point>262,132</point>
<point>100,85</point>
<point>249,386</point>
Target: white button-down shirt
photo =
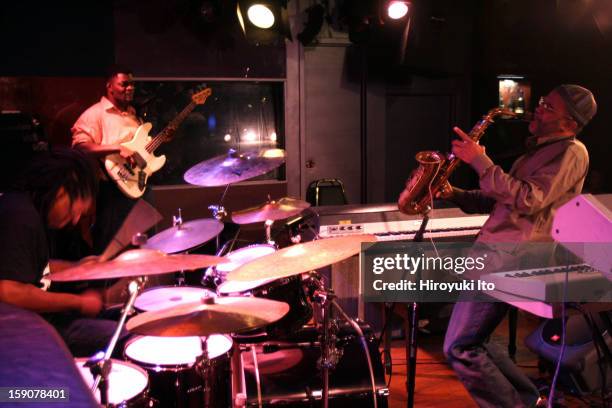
<point>104,124</point>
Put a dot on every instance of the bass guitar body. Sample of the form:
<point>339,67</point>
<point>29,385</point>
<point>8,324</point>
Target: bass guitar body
<point>131,178</point>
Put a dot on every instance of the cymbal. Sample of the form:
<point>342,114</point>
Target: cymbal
<point>300,258</point>
<point>234,167</point>
<point>183,237</point>
<point>272,210</point>
<point>213,315</point>
<point>136,262</point>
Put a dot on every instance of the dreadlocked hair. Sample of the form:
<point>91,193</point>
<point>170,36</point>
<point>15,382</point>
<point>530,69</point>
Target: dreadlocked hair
<point>60,167</point>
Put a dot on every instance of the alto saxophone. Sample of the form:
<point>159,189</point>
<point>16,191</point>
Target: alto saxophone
<point>435,168</point>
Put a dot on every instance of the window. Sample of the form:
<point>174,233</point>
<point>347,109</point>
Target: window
<point>240,115</point>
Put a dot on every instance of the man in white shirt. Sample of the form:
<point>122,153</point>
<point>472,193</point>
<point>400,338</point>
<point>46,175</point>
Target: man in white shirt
<point>99,131</point>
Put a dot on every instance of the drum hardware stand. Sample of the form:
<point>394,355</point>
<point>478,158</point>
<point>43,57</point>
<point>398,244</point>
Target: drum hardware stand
<point>364,344</point>
<point>218,212</point>
<point>210,277</point>
<point>330,354</point>
<point>100,364</point>
<point>203,362</point>
<point>294,226</point>
<point>269,240</point>
<point>239,393</point>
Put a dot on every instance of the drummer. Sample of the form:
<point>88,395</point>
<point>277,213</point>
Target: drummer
<point>56,189</point>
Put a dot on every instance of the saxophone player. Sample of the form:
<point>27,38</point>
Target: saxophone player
<point>522,203</point>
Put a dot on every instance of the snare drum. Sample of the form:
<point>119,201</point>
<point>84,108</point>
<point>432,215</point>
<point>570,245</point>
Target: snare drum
<point>164,297</point>
<point>127,383</point>
<point>175,379</point>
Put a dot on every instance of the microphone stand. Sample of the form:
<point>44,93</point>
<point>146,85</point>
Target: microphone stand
<point>411,341</point>
<point>100,366</point>
<point>413,321</point>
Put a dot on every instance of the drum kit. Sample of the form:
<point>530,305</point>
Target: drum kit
<point>188,342</point>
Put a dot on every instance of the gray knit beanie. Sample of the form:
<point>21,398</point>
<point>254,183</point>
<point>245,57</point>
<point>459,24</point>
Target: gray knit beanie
<point>579,101</point>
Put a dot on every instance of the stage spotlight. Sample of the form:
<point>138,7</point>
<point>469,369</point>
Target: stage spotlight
<point>263,21</point>
<point>261,16</point>
<point>397,9</point>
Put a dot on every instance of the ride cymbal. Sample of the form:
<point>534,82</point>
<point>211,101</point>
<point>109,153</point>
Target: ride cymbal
<point>234,167</point>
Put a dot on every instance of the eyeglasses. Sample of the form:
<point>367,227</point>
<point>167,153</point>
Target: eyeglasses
<point>547,106</point>
<point>543,104</point>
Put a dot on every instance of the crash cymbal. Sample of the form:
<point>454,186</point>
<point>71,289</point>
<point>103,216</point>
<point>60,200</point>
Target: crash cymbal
<point>272,210</point>
<point>185,236</point>
<point>136,262</point>
<point>234,167</point>
<point>210,316</point>
<point>300,258</point>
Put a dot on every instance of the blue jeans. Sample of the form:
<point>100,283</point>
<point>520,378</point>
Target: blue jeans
<point>486,371</point>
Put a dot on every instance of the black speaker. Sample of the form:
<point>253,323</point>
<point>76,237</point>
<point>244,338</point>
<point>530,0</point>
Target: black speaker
<point>580,368</point>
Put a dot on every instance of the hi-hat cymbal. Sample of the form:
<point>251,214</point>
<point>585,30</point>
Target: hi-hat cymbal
<point>183,237</point>
<point>300,258</point>
<point>225,315</point>
<point>272,210</point>
<point>234,167</point>
<point>136,262</point>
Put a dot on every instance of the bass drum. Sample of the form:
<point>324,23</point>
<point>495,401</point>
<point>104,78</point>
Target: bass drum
<point>128,384</point>
<point>176,381</point>
<point>286,373</point>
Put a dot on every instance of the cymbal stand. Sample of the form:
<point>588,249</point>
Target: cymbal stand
<point>268,225</point>
<point>100,365</point>
<point>204,364</point>
<point>211,277</point>
<point>218,212</point>
<point>177,221</point>
<point>330,354</point>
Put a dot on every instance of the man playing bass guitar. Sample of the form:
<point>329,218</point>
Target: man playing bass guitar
<point>99,131</point>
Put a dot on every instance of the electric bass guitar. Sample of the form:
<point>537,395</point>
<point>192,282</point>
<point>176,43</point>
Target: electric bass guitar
<point>131,175</point>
